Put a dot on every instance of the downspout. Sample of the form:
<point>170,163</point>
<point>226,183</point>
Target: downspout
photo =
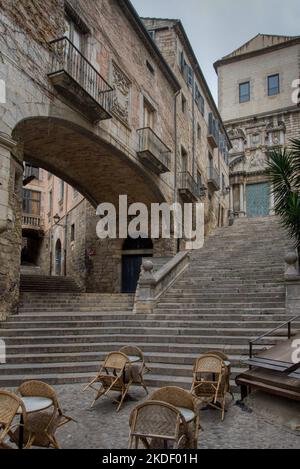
<point>176,156</point>
<point>193,111</point>
<point>66,230</point>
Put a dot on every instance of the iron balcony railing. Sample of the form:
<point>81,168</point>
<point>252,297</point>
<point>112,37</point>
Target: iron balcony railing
<point>214,178</point>
<point>188,184</point>
<point>67,59</point>
<point>154,149</point>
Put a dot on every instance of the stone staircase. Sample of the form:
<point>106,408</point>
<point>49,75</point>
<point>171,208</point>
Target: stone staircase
<point>33,282</point>
<point>232,291</point>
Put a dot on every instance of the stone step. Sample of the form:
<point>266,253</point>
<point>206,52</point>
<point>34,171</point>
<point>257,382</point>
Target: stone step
<point>147,347</point>
<point>210,336</point>
<point>24,327</point>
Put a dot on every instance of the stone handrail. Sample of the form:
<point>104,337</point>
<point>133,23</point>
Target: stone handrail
<point>151,285</point>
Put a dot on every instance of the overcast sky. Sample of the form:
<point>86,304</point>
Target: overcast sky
<point>217,27</point>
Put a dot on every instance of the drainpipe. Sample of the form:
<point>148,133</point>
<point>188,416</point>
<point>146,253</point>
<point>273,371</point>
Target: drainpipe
<point>66,231</point>
<point>176,155</point>
<point>193,112</point>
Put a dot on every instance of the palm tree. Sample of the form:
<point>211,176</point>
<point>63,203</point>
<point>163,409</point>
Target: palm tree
<point>284,172</point>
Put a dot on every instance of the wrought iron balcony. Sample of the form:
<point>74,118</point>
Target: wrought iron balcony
<point>153,151</point>
<point>32,222</point>
<point>79,82</point>
<point>213,179</point>
<point>189,189</point>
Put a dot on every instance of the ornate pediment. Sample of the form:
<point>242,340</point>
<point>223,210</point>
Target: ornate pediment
<point>236,163</point>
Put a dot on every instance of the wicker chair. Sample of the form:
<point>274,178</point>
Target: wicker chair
<point>227,368</point>
<point>9,406</point>
<point>139,368</point>
<point>157,425</point>
<point>210,381</point>
<point>40,428</point>
<point>180,398</point>
<point>112,377</point>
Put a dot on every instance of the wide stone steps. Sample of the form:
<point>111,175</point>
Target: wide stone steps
<point>232,292</point>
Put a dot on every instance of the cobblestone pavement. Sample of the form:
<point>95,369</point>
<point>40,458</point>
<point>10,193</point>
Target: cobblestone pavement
<point>102,427</point>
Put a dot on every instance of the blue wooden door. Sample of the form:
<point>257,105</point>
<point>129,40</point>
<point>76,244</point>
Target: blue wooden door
<point>258,200</point>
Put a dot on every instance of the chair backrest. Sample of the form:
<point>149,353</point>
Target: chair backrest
<point>115,361</point>
<point>209,364</point>
<point>37,389</point>
<point>218,354</point>
<point>175,396</point>
<point>9,406</point>
<point>154,419</point>
<point>132,350</point>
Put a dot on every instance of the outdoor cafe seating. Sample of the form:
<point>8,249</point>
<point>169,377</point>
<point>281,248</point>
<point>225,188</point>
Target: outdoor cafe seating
<point>32,417</point>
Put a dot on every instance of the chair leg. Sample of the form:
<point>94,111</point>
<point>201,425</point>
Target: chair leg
<point>144,385</point>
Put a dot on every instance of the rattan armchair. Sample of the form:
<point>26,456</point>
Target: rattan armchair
<point>9,407</point>
<point>111,377</point>
<point>180,398</point>
<point>139,368</point>
<point>210,382</point>
<point>40,428</point>
<point>157,425</point>
<point>227,365</point>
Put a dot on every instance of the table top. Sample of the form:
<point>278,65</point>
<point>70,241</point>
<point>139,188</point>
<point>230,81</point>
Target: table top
<point>35,404</point>
<point>188,414</point>
<point>134,358</point>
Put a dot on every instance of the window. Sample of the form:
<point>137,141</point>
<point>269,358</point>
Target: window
<point>223,183</point>
<point>152,34</point>
<point>199,100</point>
<point>183,103</point>
<point>244,89</point>
<point>31,170</point>
<point>198,131</point>
<point>76,35</point>
<point>149,114</point>
<point>72,232</point>
<point>273,85</point>
<point>31,202</point>
<point>184,161</point>
<point>186,70</point>
<point>210,166</point>
<point>199,180</point>
<point>61,191</point>
<point>50,202</point>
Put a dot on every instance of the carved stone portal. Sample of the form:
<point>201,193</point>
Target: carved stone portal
<point>122,87</point>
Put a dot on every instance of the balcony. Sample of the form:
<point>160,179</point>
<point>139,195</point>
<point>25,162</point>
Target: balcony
<point>32,222</point>
<point>78,81</point>
<point>153,152</point>
<point>189,189</point>
<point>213,132</point>
<point>213,181</point>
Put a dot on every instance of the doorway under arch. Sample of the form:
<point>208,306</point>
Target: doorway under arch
<point>58,257</point>
<point>134,250</point>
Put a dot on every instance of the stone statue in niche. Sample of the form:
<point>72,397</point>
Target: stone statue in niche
<point>121,100</point>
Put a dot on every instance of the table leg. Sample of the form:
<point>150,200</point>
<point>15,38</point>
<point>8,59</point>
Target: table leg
<point>21,432</point>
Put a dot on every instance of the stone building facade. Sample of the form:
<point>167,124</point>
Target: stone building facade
<point>258,86</point>
<point>90,99</point>
<point>202,141</point>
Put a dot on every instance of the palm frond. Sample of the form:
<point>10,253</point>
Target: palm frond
<point>295,151</point>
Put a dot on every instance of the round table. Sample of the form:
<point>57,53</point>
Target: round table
<point>134,358</point>
<point>32,404</point>
<point>188,414</point>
